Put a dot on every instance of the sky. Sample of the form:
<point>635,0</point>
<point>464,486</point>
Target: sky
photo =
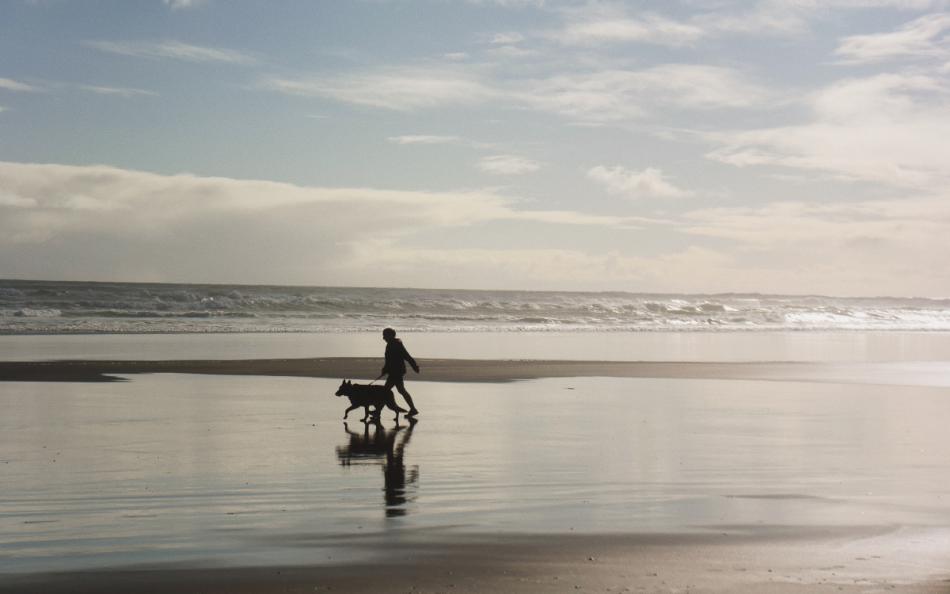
<point>775,146</point>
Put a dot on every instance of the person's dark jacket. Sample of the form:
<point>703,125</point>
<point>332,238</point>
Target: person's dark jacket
<point>396,357</point>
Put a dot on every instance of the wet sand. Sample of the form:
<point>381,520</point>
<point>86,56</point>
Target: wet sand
<point>753,560</point>
<point>217,481</point>
<point>467,370</point>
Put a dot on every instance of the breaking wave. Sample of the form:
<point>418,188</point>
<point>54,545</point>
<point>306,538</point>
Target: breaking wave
<point>38,307</point>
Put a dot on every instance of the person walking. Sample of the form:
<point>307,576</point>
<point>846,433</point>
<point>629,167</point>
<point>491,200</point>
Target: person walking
<point>395,367</point>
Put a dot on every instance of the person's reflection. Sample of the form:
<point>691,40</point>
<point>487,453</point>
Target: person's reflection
<point>385,447</point>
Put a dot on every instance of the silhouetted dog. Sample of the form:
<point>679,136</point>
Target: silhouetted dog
<point>366,396</point>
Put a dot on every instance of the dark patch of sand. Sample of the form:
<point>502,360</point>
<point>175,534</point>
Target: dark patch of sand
<point>437,370</point>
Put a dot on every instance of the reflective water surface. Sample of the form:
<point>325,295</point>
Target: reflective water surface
<point>232,470</point>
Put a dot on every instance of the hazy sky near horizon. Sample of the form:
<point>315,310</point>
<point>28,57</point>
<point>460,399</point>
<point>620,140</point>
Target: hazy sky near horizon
<point>787,146</point>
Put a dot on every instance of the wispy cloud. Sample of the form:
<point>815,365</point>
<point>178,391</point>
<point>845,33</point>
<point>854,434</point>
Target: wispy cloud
<point>443,139</point>
<point>395,88</point>
<point>622,94</point>
<point>118,91</point>
<point>924,37</point>
<point>170,49</point>
<point>424,139</point>
<point>597,24</point>
<point>598,95</point>
<point>14,85</point>
<point>183,4</point>
<point>630,183</point>
<point>508,165</point>
<point>511,3</point>
<point>602,23</point>
<point>508,38</point>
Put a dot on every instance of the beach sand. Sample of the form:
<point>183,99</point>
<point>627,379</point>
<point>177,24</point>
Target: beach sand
<point>237,476</point>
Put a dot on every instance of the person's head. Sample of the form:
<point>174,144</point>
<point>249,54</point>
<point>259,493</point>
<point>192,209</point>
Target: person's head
<point>389,334</point>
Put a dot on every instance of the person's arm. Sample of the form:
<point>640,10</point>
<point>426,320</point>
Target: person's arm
<point>408,357</point>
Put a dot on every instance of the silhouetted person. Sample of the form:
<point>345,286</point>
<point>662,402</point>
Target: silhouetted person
<point>395,367</point>
<point>386,448</point>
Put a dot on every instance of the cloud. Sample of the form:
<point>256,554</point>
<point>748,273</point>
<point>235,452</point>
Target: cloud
<point>97,222</point>
<point>118,91</point>
<point>823,5</point>
<point>170,49</point>
<point>396,88</point>
<point>501,53</point>
<point>924,37</point>
<point>72,199</point>
<point>424,139</point>
<point>511,3</point>
<point>647,183</point>
<point>627,94</point>
<point>508,38</point>
<point>764,18</point>
<point>507,165</point>
<point>599,24</point>
<point>14,85</point>
<point>14,201</point>
<point>183,4</point>
<point>789,18</point>
<point>443,139</point>
<point>888,128</point>
<point>598,95</point>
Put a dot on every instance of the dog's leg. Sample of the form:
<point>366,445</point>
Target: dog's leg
<point>392,404</point>
<point>347,411</point>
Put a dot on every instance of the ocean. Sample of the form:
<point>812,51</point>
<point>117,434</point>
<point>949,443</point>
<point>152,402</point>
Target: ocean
<point>56,307</point>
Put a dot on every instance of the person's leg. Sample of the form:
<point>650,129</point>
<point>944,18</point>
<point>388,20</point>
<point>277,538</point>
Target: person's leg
<point>401,388</point>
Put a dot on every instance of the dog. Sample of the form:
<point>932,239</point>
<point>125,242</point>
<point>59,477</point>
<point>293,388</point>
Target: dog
<point>367,396</point>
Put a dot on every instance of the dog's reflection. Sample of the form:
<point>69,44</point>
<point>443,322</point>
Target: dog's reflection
<point>386,447</point>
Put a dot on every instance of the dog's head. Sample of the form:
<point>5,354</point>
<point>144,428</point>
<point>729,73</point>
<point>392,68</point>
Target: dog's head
<point>344,388</point>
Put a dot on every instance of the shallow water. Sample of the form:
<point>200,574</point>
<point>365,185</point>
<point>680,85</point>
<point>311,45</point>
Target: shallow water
<point>248,470</point>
